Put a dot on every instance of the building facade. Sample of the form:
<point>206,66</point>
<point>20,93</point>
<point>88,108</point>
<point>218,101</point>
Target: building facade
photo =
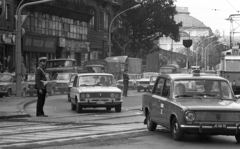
<point>64,28</point>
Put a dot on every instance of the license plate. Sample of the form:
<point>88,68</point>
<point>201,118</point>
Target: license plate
<point>220,126</point>
<point>100,102</point>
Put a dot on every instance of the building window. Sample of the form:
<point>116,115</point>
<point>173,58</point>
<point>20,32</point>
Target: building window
<point>56,26</point>
<point>106,21</point>
<point>92,21</point>
<point>100,21</point>
<point>7,12</point>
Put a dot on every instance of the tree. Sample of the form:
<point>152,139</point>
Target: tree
<point>141,26</point>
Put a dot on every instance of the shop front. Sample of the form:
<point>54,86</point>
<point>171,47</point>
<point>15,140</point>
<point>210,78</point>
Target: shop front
<point>78,50</point>
<point>7,51</point>
<point>35,47</point>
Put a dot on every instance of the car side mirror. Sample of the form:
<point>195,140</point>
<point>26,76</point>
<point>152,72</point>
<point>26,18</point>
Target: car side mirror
<point>237,97</point>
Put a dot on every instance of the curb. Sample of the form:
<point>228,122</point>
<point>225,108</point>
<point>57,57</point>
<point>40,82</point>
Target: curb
<point>21,110</point>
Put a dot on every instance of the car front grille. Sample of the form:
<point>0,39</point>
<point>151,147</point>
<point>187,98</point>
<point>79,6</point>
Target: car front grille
<point>217,116</point>
<point>100,95</point>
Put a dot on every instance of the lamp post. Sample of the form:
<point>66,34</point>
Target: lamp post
<point>18,44</point>
<point>198,46</point>
<point>109,32</point>
<point>205,65</point>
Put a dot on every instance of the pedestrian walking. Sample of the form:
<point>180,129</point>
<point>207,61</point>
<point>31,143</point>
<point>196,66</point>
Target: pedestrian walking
<point>40,85</point>
<point>125,82</point>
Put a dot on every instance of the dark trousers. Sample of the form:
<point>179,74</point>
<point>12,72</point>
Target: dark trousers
<point>40,102</point>
<point>125,88</point>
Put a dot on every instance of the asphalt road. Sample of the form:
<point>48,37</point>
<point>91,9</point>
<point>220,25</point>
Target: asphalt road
<point>97,129</point>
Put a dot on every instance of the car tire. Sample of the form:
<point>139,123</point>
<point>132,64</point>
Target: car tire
<point>145,90</point>
<point>1,96</point>
<point>31,94</point>
<point>177,133</point>
<point>73,107</point>
<point>52,92</point>
<point>79,108</point>
<point>9,93</point>
<point>151,126</point>
<point>118,108</point>
<point>237,137</point>
<point>138,90</point>
<point>108,108</point>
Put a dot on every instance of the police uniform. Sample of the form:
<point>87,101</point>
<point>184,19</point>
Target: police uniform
<point>39,85</point>
<point>125,83</point>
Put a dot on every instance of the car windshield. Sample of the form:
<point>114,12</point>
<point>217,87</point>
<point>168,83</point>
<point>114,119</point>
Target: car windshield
<point>148,75</point>
<point>97,80</point>
<point>202,89</point>
<point>132,77</point>
<point>61,76</point>
<point>5,77</point>
<point>31,77</point>
<point>153,79</point>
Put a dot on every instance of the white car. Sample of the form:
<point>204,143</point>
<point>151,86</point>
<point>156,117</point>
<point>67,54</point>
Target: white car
<point>95,90</point>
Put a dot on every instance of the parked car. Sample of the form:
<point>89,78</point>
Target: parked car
<point>192,104</point>
<point>95,90</point>
<point>62,80</point>
<point>31,84</point>
<point>8,85</point>
<point>151,82</point>
<point>143,83</point>
<point>132,81</point>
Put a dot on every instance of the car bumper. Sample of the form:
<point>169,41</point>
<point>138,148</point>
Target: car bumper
<point>214,129</point>
<point>99,104</point>
<point>61,89</point>
<point>142,87</point>
<point>3,92</point>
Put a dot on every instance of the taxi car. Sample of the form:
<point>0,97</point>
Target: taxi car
<point>143,83</point>
<point>192,104</point>
<point>8,85</point>
<point>131,83</point>
<point>62,80</point>
<point>31,84</point>
<point>95,90</point>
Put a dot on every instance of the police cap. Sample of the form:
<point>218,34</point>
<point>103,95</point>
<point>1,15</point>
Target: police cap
<point>42,59</point>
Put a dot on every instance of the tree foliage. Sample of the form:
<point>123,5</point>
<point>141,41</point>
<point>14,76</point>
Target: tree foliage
<point>141,26</point>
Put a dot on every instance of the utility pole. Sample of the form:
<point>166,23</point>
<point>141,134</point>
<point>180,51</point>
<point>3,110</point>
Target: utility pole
<point>18,44</point>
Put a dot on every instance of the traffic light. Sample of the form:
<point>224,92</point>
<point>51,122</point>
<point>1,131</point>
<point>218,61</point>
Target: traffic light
<point>2,7</point>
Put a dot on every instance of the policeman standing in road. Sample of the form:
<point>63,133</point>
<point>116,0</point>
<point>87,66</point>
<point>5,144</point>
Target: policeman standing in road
<point>125,82</point>
<point>40,85</point>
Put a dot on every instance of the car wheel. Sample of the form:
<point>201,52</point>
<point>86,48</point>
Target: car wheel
<point>118,108</point>
<point>9,93</point>
<point>145,90</point>
<point>30,94</point>
<point>150,124</point>
<point>1,96</point>
<point>237,137</point>
<point>108,108</point>
<point>52,92</point>
<point>177,133</point>
<point>79,108</point>
<point>24,93</point>
<point>138,90</point>
<point>73,107</point>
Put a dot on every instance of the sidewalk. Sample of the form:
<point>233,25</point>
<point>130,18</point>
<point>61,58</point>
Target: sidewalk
<point>12,107</point>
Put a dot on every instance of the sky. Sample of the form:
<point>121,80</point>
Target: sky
<point>213,13</point>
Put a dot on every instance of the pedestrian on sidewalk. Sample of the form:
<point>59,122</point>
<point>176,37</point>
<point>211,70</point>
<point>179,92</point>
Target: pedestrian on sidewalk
<point>40,85</point>
<point>125,82</point>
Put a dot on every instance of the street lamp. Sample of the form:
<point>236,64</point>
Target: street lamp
<point>199,45</point>
<point>109,32</point>
<point>18,44</point>
<point>205,65</point>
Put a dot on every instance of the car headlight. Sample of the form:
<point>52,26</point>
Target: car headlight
<point>112,95</point>
<point>82,95</point>
<point>190,116</point>
<point>117,95</point>
<point>87,95</point>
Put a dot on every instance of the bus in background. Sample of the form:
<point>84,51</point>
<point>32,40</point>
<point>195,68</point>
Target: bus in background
<point>230,67</point>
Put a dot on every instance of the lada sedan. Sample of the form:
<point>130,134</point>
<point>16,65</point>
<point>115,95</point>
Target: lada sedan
<point>131,83</point>
<point>143,83</point>
<point>8,85</point>
<point>192,104</point>
<point>31,84</point>
<point>62,81</point>
<point>95,90</point>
